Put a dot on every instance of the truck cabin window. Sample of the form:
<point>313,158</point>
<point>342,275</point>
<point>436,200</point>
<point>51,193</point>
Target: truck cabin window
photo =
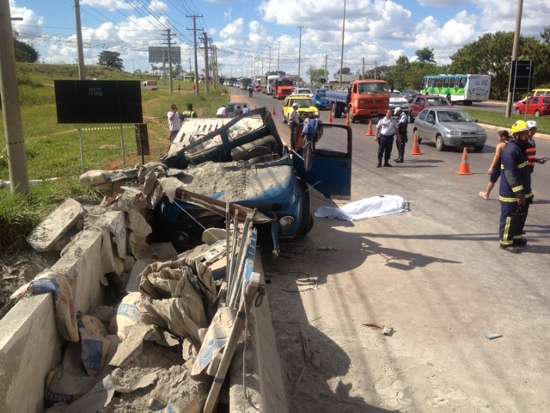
<point>365,88</point>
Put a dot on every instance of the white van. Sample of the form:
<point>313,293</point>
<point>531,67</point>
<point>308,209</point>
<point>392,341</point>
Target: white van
<point>149,85</point>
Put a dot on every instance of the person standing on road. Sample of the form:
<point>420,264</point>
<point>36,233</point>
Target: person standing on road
<point>515,189</point>
<point>385,131</point>
<point>221,112</point>
<point>401,139</point>
<point>246,109</point>
<point>294,123</point>
<point>494,169</point>
<point>174,121</point>
<point>532,148</point>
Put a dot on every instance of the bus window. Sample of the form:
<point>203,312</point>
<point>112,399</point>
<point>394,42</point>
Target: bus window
<point>462,82</point>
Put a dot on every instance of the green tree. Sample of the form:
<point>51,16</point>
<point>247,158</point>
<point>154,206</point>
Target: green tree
<point>110,59</point>
<point>345,71</point>
<point>490,54</point>
<point>24,52</point>
<point>317,75</point>
<point>425,55</point>
<point>396,74</point>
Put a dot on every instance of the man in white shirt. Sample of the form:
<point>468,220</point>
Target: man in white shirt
<point>385,131</point>
<point>246,109</point>
<point>220,113</point>
<point>174,121</point>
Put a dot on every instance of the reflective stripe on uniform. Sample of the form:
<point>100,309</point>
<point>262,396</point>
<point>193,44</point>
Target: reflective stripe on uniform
<point>516,237</point>
<point>523,164</point>
<point>517,188</point>
<point>506,243</point>
<point>507,199</point>
<point>505,236</point>
<point>529,195</point>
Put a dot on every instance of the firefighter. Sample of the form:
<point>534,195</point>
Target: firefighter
<point>515,189</point>
<point>189,113</point>
<point>532,147</point>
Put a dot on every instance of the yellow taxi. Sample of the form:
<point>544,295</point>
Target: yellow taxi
<point>305,106</point>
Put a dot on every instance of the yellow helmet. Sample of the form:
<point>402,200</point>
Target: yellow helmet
<point>519,126</point>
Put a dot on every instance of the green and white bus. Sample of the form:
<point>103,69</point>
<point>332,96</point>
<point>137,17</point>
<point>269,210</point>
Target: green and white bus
<point>462,88</point>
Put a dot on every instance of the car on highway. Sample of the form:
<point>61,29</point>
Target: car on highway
<point>446,126</point>
<point>410,95</point>
<point>320,99</point>
<point>397,100</point>
<point>303,91</point>
<point>534,105</point>
<point>420,102</point>
<point>305,106</point>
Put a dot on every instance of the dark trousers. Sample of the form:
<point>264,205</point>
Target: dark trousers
<point>512,221</point>
<point>400,142</point>
<point>385,144</point>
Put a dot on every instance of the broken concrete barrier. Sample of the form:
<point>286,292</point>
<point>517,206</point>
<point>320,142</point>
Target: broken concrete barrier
<point>45,236</point>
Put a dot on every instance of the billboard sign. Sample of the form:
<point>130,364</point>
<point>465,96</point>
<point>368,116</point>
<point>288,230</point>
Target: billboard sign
<point>160,54</point>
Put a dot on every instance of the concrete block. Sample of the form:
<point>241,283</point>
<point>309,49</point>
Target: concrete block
<point>45,236</point>
<point>29,349</point>
<point>115,221</point>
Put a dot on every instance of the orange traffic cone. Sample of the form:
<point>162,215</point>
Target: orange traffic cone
<point>370,132</point>
<point>464,164</point>
<point>273,111</point>
<point>330,118</point>
<point>416,147</point>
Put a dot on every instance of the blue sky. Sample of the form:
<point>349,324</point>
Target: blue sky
<point>247,31</point>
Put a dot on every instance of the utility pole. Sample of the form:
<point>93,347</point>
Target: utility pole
<point>169,44</point>
<point>215,65</point>
<point>363,69</point>
<point>515,53</point>
<point>206,67</point>
<point>300,56</point>
<point>278,54</point>
<point>81,68</point>
<point>269,61</point>
<point>11,111</point>
<point>194,17</point>
<point>342,49</point>
<point>326,68</point>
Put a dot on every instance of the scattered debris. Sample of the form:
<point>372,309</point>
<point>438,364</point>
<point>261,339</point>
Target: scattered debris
<point>388,331</point>
<point>493,336</point>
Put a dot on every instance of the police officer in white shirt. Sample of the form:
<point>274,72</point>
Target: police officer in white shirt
<point>174,121</point>
<point>385,131</point>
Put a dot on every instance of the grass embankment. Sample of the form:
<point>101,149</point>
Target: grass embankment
<point>53,149</point>
<point>498,119</point>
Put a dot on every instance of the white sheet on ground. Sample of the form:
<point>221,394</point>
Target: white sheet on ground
<point>375,206</point>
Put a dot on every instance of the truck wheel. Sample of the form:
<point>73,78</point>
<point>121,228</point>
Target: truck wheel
<point>307,216</point>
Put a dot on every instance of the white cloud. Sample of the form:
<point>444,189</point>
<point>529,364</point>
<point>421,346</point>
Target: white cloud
<point>442,3</point>
<point>31,25</point>
<point>110,5</point>
<point>500,15</point>
<point>445,39</point>
<point>158,6</point>
<point>232,33</point>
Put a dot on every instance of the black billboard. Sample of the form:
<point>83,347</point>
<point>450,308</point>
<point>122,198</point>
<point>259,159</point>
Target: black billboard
<point>98,101</point>
<point>522,75</point>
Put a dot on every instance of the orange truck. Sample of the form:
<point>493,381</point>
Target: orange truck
<point>363,99</point>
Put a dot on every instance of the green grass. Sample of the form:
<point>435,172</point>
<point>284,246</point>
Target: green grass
<point>498,119</point>
<point>53,149</point>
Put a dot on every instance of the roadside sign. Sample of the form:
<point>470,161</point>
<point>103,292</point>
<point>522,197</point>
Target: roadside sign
<point>522,75</point>
<point>159,54</point>
<point>98,101</point>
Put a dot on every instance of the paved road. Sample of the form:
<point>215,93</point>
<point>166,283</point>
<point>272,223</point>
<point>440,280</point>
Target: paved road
<point>437,276</point>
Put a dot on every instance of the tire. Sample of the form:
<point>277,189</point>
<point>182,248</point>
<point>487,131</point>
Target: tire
<point>307,216</point>
<point>537,114</point>
<point>479,148</point>
<point>439,144</point>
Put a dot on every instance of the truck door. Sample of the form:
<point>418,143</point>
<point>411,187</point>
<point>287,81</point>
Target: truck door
<point>329,170</point>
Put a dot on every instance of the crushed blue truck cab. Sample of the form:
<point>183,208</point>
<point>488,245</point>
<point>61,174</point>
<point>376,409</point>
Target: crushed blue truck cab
<point>244,161</point>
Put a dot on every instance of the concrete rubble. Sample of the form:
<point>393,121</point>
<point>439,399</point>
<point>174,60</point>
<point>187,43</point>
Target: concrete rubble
<point>131,312</point>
